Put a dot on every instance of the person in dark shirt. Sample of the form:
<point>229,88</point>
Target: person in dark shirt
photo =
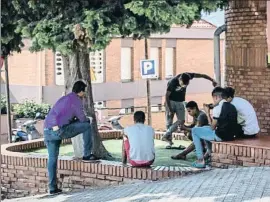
<point>199,119</point>
<point>223,126</point>
<point>175,97</point>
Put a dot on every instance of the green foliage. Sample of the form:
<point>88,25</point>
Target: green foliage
<point>10,40</point>
<point>29,109</point>
<point>50,24</point>
<point>3,104</point>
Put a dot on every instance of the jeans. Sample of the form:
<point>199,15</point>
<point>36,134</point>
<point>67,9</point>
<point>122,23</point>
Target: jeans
<point>178,109</point>
<point>53,140</point>
<point>203,133</point>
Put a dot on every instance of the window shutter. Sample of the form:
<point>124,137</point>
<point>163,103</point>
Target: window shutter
<point>126,64</point>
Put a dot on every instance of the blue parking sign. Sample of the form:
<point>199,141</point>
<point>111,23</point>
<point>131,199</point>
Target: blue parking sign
<point>148,69</point>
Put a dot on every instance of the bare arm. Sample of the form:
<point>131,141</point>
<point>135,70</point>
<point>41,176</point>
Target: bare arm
<point>124,154</point>
<point>212,122</point>
<point>204,76</point>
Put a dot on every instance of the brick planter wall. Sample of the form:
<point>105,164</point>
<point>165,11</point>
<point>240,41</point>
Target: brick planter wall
<point>230,154</point>
<point>24,174</point>
<point>246,50</point>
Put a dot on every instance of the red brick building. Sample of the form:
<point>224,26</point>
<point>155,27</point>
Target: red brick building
<point>39,76</point>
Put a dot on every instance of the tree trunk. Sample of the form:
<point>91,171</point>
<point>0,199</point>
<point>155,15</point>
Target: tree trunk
<point>149,117</point>
<point>76,67</point>
<point>8,101</point>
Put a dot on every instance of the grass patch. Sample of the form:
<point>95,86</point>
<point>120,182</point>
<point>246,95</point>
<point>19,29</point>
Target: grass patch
<point>163,156</point>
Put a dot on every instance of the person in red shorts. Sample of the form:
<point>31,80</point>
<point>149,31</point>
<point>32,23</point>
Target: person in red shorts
<point>138,143</point>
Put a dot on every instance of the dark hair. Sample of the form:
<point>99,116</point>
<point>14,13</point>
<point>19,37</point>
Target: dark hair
<point>229,92</point>
<point>139,117</point>
<point>218,91</point>
<point>192,105</point>
<point>185,78</point>
<point>78,87</point>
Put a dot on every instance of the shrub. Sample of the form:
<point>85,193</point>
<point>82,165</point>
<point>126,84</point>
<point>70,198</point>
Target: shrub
<point>29,109</point>
<point>3,104</point>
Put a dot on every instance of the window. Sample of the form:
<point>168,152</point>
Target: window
<point>97,64</point>
<point>156,104</point>
<point>169,62</point>
<point>127,106</point>
<point>59,69</point>
<point>126,64</point>
<point>154,55</point>
<point>156,108</point>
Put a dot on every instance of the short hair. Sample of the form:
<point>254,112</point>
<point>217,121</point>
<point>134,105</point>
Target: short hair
<point>218,91</point>
<point>139,117</point>
<point>229,92</point>
<point>192,105</point>
<point>78,87</point>
<point>185,78</point>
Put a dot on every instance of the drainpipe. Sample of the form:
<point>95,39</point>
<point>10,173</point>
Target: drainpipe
<point>217,68</point>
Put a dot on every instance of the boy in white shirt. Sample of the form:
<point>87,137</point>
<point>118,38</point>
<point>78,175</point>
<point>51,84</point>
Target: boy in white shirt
<point>138,143</point>
<point>246,115</point>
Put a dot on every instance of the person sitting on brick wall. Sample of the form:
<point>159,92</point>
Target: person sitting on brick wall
<point>199,119</point>
<point>246,115</point>
<point>223,126</point>
<point>175,97</point>
<point>60,124</point>
<point>138,142</point>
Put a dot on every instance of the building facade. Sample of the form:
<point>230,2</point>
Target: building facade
<point>118,84</point>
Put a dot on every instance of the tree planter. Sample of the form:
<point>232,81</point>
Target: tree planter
<point>77,143</point>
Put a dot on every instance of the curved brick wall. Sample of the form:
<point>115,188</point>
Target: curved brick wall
<point>24,174</point>
<point>246,50</point>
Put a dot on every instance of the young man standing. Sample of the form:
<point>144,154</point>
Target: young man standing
<point>138,143</point>
<point>247,117</point>
<point>60,124</point>
<point>175,97</point>
<point>223,126</point>
<point>199,119</point>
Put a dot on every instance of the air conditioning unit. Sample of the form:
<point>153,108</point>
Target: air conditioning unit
<point>59,69</point>
<point>99,104</point>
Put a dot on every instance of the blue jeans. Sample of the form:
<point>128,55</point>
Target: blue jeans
<point>207,134</point>
<point>53,140</point>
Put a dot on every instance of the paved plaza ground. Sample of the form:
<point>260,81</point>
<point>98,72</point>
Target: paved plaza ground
<point>217,185</point>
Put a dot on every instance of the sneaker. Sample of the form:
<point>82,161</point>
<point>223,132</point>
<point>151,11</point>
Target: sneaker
<point>57,191</point>
<point>90,158</point>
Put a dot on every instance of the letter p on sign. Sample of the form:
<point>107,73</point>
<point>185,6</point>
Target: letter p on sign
<point>148,69</point>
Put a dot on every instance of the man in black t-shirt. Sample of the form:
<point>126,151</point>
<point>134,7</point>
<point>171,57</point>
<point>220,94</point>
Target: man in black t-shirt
<point>199,119</point>
<point>223,126</point>
<point>175,97</point>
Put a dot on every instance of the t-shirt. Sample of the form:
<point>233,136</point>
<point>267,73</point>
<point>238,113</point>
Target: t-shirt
<point>141,141</point>
<point>226,116</point>
<point>201,119</point>
<point>178,93</point>
<point>247,117</point>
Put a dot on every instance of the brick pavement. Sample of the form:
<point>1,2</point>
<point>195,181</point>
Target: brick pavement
<point>218,185</point>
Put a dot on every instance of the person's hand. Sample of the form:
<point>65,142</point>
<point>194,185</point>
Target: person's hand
<point>206,108</point>
<point>214,83</point>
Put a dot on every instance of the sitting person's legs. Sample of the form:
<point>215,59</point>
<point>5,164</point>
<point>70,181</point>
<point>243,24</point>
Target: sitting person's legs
<point>203,133</point>
<point>182,155</point>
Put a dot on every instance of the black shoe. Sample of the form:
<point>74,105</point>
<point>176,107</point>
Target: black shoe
<point>90,158</point>
<point>57,191</point>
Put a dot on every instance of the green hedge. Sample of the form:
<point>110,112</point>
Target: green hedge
<point>29,108</point>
